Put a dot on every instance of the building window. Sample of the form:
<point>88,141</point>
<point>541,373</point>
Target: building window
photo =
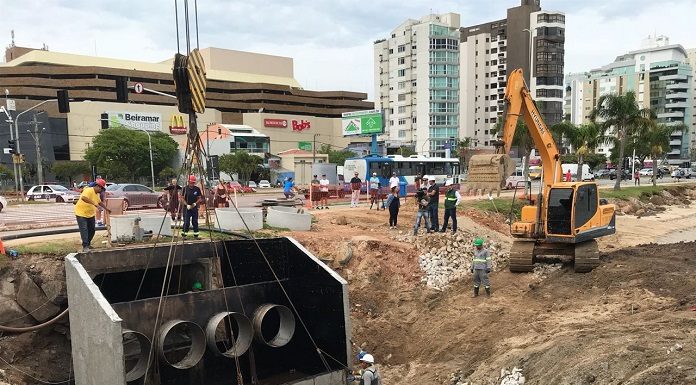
<point>401,97</point>
<point>401,48</point>
<point>402,133</point>
<point>401,109</point>
<point>401,60</point>
<point>393,35</point>
<point>391,122</point>
<point>413,84</point>
<point>413,119</point>
<point>402,122</point>
<point>549,56</point>
<point>401,72</point>
<point>547,93</point>
<point>493,50</point>
<point>550,18</point>
<point>452,44</point>
<point>391,51</point>
<point>401,85</point>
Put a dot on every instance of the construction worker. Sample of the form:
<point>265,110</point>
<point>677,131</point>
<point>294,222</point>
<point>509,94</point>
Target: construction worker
<point>422,200</point>
<point>480,267</point>
<point>434,193</point>
<point>86,210</point>
<point>452,199</point>
<point>190,198</point>
<point>369,376</point>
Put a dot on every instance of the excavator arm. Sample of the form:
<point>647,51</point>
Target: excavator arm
<point>489,171</point>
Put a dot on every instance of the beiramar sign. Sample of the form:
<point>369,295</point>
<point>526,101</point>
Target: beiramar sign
<point>143,120</point>
<point>362,122</point>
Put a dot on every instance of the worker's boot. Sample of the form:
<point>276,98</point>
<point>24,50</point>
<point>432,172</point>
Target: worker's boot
<point>488,292</point>
<point>476,290</point>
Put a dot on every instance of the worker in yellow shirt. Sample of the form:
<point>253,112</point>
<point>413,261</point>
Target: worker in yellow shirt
<point>86,210</point>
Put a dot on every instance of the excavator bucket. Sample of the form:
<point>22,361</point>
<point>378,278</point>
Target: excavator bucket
<point>488,173</point>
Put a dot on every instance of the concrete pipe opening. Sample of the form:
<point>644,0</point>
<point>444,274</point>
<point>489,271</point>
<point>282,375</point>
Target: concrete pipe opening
<point>229,334</point>
<point>136,348</point>
<point>181,344</point>
<point>274,325</point>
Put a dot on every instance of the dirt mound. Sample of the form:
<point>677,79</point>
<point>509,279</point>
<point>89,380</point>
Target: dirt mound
<point>652,203</point>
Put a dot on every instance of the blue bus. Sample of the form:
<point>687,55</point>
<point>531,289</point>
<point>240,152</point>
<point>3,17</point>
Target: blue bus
<point>406,168</point>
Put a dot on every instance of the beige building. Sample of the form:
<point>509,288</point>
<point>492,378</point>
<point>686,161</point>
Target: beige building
<point>300,162</point>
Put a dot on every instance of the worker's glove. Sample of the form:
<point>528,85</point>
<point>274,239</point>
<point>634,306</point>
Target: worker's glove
<point>189,207</point>
<point>488,271</point>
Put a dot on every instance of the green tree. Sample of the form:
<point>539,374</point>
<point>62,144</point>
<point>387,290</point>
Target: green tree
<point>124,154</point>
<point>522,139</point>
<point>167,174</point>
<point>240,162</point>
<point>656,136</point>
<point>403,151</point>
<point>622,115</point>
<point>69,170</point>
<point>5,174</point>
<point>584,139</point>
<point>337,157</point>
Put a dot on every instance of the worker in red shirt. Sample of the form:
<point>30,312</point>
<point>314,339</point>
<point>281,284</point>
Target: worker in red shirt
<point>568,176</point>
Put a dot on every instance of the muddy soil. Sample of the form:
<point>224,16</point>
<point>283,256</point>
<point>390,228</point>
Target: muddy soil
<point>631,321</point>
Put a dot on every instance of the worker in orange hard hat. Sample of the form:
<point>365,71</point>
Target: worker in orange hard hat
<point>190,197</point>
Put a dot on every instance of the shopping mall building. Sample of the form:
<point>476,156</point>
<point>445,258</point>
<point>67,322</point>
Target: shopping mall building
<point>254,94</point>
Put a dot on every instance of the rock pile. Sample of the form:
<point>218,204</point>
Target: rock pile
<point>654,203</point>
<point>446,258</point>
<point>511,377</point>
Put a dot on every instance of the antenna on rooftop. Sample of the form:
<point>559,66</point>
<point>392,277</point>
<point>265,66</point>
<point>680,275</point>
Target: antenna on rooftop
<point>13,42</point>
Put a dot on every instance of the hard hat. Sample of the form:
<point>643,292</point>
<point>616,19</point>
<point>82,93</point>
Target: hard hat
<point>192,178</point>
<point>368,358</point>
<point>425,177</point>
<point>197,286</point>
<point>478,242</point>
<point>449,182</point>
<point>100,182</point>
<point>374,174</point>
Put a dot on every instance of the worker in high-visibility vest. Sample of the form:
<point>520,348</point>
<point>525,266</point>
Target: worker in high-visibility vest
<point>480,267</point>
<point>452,199</point>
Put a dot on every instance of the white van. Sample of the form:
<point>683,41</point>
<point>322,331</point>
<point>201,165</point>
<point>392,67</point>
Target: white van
<point>573,167</point>
<point>517,176</point>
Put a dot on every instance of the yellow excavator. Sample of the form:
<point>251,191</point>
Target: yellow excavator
<point>567,217</point>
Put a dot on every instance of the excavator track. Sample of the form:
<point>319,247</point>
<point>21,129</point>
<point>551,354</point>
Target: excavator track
<point>586,256</point>
<point>522,256</point>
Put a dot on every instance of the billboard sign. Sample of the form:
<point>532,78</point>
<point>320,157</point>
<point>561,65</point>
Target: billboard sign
<point>142,120</point>
<point>307,146</point>
<point>362,122</point>
<point>278,123</point>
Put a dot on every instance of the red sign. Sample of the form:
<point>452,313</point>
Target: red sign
<point>301,125</point>
<point>279,123</point>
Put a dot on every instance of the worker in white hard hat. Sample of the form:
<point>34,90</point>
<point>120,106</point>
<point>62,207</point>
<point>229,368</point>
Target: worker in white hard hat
<point>452,199</point>
<point>370,376</point>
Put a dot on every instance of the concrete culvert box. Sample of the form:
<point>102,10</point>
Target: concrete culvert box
<point>289,218</point>
<point>231,219</point>
<point>116,311</point>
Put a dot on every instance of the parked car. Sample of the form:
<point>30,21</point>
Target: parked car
<point>646,171</point>
<point>3,203</point>
<point>682,172</point>
<point>136,195</point>
<point>52,191</point>
<point>236,186</point>
<point>626,175</point>
<point>264,184</point>
<point>252,184</point>
<point>602,173</point>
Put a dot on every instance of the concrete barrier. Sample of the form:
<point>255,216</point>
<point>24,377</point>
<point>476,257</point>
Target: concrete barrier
<point>122,226</point>
<point>229,219</point>
<point>289,218</point>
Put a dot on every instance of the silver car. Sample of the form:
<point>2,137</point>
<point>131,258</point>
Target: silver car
<point>135,195</point>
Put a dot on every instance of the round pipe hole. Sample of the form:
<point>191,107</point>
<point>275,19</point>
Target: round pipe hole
<point>181,344</point>
<point>274,325</point>
<point>229,334</point>
<point>136,348</point>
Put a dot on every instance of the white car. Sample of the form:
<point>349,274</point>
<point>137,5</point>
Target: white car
<point>515,180</point>
<point>252,184</point>
<point>682,173</point>
<point>645,172</point>
<point>3,203</point>
<point>264,184</point>
<point>52,191</point>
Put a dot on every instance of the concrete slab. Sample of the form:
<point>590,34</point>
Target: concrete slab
<point>122,225</point>
<point>289,218</point>
<point>230,219</point>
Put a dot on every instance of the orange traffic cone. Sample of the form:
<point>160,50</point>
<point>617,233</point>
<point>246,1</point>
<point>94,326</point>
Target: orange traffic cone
<point>2,247</point>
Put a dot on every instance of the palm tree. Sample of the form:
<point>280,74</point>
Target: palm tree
<point>656,137</point>
<point>622,113</point>
<point>585,139</point>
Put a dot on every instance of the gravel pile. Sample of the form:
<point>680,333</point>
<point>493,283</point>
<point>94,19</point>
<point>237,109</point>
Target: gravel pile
<point>446,258</point>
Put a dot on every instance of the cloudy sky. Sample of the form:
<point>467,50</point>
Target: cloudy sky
<point>330,40</point>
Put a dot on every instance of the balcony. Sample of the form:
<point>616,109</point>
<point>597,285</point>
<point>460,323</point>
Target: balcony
<point>677,95</point>
<point>677,105</point>
<point>673,123</point>
<point>673,77</point>
<point>675,114</point>
<point>675,142</point>
<point>676,133</point>
<point>677,86</point>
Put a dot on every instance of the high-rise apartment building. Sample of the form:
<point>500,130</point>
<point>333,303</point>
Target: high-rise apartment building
<point>661,77</point>
<point>529,38</point>
<point>417,83</point>
<point>691,57</point>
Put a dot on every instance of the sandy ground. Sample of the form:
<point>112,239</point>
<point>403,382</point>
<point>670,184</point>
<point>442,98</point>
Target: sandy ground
<point>628,322</point>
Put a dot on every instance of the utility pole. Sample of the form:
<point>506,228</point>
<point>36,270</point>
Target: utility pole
<point>314,149</point>
<point>37,141</point>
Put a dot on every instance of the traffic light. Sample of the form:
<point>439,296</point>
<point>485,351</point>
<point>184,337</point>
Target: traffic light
<point>63,102</point>
<point>122,89</point>
<point>104,121</point>
<point>12,144</point>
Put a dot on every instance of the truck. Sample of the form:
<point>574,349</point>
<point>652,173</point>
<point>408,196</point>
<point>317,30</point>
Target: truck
<point>573,167</point>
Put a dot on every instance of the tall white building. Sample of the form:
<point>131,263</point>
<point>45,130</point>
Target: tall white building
<point>691,57</point>
<point>417,83</point>
<point>490,51</point>
<point>662,79</point>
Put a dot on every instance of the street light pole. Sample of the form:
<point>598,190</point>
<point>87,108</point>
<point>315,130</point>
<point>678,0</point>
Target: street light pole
<point>37,141</point>
<point>427,140</point>
<point>16,124</point>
